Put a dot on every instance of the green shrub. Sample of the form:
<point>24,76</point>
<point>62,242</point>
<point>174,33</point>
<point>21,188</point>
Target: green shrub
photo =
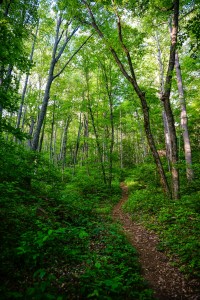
<point>176,222</point>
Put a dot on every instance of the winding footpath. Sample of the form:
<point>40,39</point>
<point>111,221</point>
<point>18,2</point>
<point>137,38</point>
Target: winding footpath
<point>166,281</point>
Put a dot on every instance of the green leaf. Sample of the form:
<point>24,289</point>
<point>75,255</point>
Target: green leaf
<point>83,234</point>
<point>50,231</point>
<point>98,265</point>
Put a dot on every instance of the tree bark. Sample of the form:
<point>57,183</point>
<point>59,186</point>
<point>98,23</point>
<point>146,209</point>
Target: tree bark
<point>26,80</point>
<point>85,155</point>
<point>167,107</point>
<point>31,131</point>
<point>57,52</point>
<point>63,149</point>
<point>139,92</point>
<point>51,153</point>
<point>108,85</point>
<point>77,143</point>
<point>184,121</point>
<point>42,135</point>
<point>121,142</point>
<point>165,122</point>
<point>99,148</point>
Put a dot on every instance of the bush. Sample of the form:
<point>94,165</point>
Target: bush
<point>176,222</point>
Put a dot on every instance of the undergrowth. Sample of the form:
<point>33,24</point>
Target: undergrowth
<point>177,222</point>
<point>58,240</point>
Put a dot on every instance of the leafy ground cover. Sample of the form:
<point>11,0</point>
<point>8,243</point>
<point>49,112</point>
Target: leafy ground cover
<point>58,240</point>
<point>176,222</point>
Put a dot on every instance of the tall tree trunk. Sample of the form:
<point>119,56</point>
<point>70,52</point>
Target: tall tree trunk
<point>167,107</point>
<point>86,145</point>
<point>184,121</point>
<point>165,122</point>
<point>167,141</point>
<point>132,79</point>
<point>54,157</point>
<point>57,52</point>
<point>26,80</point>
<point>99,148</point>
<point>77,143</point>
<point>63,149</point>
<point>5,79</point>
<point>43,110</point>
<point>111,144</point>
<point>42,135</point>
<point>51,153</point>
<point>121,142</point>
<point>31,131</point>
<point>108,85</point>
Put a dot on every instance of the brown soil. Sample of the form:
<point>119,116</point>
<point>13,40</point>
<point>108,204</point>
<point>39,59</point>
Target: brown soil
<point>166,281</point>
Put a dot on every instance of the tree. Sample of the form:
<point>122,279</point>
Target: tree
<point>184,121</point>
<point>57,52</point>
<point>132,79</point>
<point>17,21</point>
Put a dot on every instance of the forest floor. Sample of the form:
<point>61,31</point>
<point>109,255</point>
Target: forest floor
<point>166,280</point>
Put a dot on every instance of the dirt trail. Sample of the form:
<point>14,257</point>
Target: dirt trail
<point>166,280</point>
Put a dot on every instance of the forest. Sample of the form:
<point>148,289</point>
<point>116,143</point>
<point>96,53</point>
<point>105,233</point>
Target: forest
<point>100,149</point>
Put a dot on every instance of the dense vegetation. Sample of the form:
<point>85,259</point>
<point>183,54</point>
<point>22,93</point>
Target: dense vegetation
<point>176,222</point>
<point>58,238</point>
<point>93,93</point>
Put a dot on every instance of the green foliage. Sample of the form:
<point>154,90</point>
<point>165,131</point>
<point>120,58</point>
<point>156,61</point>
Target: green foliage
<point>176,222</point>
<point>17,19</point>
<point>58,241</point>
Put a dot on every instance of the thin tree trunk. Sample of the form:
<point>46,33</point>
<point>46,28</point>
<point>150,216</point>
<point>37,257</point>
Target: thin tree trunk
<point>63,149</point>
<point>24,117</point>
<point>167,107</point>
<point>43,110</point>
<point>4,82</point>
<point>26,80</point>
<point>99,149</point>
<point>121,142</point>
<point>51,153</point>
<point>184,121</point>
<point>100,154</point>
<point>167,140</point>
<point>85,145</point>
<point>56,54</point>
<point>7,6</point>
<point>165,122</point>
<point>31,131</point>
<point>109,93</point>
<point>140,93</point>
<point>77,144</point>
<point>54,157</point>
<point>42,135</point>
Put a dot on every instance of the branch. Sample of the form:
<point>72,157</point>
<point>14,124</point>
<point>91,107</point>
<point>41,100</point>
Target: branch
<point>174,33</point>
<point>126,50</point>
<point>187,13</point>
<point>65,44</point>
<point>108,89</point>
<point>65,65</point>
<point>59,21</point>
<point>60,37</point>
<point>164,8</point>
<point>94,24</point>
<point>100,33</point>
